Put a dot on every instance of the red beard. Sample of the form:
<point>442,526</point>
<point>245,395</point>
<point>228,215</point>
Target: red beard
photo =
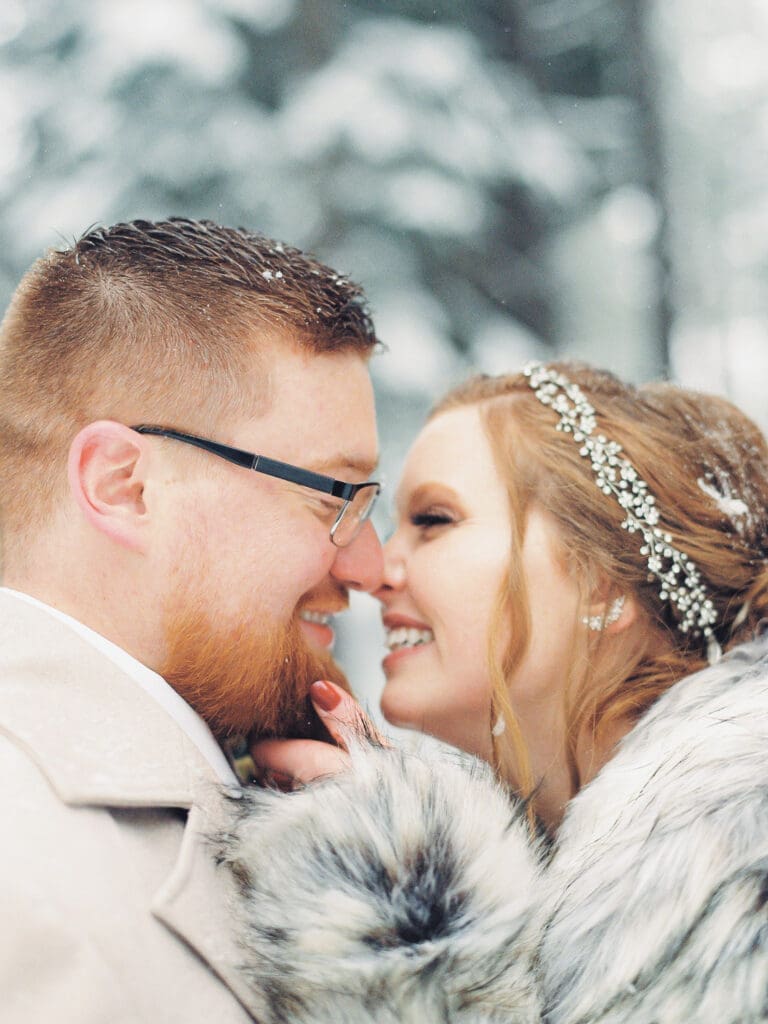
<point>243,683</point>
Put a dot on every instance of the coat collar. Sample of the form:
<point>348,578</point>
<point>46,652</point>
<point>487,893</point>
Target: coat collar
<point>96,736</point>
<point>100,740</point>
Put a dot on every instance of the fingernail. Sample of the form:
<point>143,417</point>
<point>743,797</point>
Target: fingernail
<point>324,695</point>
<point>279,780</point>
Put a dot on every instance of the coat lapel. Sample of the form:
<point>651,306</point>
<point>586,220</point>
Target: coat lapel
<point>189,903</point>
<point>100,740</point>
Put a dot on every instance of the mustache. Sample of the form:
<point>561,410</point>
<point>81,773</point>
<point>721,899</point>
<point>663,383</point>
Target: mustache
<point>332,598</point>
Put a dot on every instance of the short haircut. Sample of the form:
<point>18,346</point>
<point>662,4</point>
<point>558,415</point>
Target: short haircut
<point>153,321</point>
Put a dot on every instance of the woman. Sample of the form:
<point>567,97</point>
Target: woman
<point>572,559</point>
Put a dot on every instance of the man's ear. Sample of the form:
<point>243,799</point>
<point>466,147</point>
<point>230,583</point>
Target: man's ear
<point>106,470</point>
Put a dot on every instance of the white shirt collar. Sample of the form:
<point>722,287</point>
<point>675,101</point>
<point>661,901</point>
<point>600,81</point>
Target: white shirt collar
<point>182,713</point>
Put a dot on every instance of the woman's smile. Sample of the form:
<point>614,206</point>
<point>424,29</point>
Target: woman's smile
<point>403,637</point>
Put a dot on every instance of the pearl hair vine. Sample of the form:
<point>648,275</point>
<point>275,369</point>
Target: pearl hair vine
<point>680,580</point>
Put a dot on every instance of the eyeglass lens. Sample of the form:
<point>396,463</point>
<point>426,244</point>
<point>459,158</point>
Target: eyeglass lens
<point>353,516</point>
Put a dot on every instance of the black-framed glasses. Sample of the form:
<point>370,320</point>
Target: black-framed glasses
<point>357,500</point>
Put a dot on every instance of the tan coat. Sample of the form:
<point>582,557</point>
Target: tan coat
<point>111,907</point>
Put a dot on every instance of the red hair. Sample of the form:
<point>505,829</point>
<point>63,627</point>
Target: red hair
<point>153,322</point>
<point>706,464</point>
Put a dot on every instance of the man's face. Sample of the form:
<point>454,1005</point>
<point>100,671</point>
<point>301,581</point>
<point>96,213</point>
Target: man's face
<point>252,554</point>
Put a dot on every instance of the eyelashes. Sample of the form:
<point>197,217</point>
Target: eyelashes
<point>431,519</point>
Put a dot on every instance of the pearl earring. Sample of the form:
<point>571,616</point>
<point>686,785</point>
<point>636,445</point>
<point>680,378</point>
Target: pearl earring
<point>599,622</point>
<point>499,726</point>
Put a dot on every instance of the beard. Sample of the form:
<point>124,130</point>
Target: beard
<point>245,683</point>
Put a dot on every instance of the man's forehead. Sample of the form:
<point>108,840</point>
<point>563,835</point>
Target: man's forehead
<point>320,414</point>
<point>287,371</point>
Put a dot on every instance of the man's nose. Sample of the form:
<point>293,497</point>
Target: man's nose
<point>360,565</point>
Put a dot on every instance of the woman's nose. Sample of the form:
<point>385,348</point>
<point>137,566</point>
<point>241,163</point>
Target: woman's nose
<point>393,575</point>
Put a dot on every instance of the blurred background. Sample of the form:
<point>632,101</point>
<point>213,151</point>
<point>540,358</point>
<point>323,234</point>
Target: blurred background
<point>507,178</point>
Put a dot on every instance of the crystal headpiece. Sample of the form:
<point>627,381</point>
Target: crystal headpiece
<point>680,579</point>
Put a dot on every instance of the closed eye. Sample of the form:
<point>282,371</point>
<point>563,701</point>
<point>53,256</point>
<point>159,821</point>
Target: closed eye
<point>327,508</point>
<point>427,520</point>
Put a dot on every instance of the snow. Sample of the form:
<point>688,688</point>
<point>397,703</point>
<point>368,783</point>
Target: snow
<point>130,32</point>
<point>427,200</point>
<point>263,15</point>
<point>413,327</point>
<point>631,216</point>
<point>729,358</point>
<point>13,18</point>
<point>396,89</point>
<point>501,345</point>
<point>729,506</point>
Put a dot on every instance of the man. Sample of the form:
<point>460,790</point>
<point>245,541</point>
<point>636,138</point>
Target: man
<point>159,593</point>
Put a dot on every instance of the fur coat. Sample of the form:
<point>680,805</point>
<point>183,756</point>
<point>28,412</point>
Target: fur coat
<point>410,890</point>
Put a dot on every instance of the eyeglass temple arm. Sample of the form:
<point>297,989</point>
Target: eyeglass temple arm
<point>260,463</point>
<point>236,455</point>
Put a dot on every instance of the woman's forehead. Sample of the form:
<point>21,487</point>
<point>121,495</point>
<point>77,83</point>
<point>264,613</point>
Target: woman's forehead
<point>452,451</point>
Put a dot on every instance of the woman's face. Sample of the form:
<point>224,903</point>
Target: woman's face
<point>444,568</point>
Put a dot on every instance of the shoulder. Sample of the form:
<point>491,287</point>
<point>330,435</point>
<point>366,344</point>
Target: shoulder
<point>409,874</point>
<point>54,885</point>
<point>702,743</point>
<point>636,903</point>
<point>76,853</point>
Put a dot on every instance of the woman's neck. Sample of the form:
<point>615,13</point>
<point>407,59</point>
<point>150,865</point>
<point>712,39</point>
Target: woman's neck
<point>555,787</point>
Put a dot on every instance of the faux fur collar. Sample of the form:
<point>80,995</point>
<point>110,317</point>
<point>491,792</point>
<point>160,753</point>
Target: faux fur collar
<point>660,864</point>
<point>411,889</point>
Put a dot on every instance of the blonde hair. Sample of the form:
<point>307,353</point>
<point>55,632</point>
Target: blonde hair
<point>706,464</point>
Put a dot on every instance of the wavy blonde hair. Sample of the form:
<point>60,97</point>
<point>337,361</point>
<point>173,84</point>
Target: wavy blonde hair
<point>705,462</point>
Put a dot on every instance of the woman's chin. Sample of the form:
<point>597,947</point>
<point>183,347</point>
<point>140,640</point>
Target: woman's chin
<point>399,707</point>
<point>406,705</point>
<point>409,702</point>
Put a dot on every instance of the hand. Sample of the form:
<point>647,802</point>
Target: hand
<point>303,761</point>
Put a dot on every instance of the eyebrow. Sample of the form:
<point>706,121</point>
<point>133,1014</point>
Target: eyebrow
<point>428,489</point>
<point>342,462</point>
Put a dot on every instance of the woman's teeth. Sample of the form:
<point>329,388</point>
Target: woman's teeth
<point>323,618</point>
<point>404,636</point>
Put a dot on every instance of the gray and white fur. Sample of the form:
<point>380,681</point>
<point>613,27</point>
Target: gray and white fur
<point>411,890</point>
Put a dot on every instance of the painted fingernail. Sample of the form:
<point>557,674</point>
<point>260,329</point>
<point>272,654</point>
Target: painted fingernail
<point>278,780</point>
<point>324,695</point>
